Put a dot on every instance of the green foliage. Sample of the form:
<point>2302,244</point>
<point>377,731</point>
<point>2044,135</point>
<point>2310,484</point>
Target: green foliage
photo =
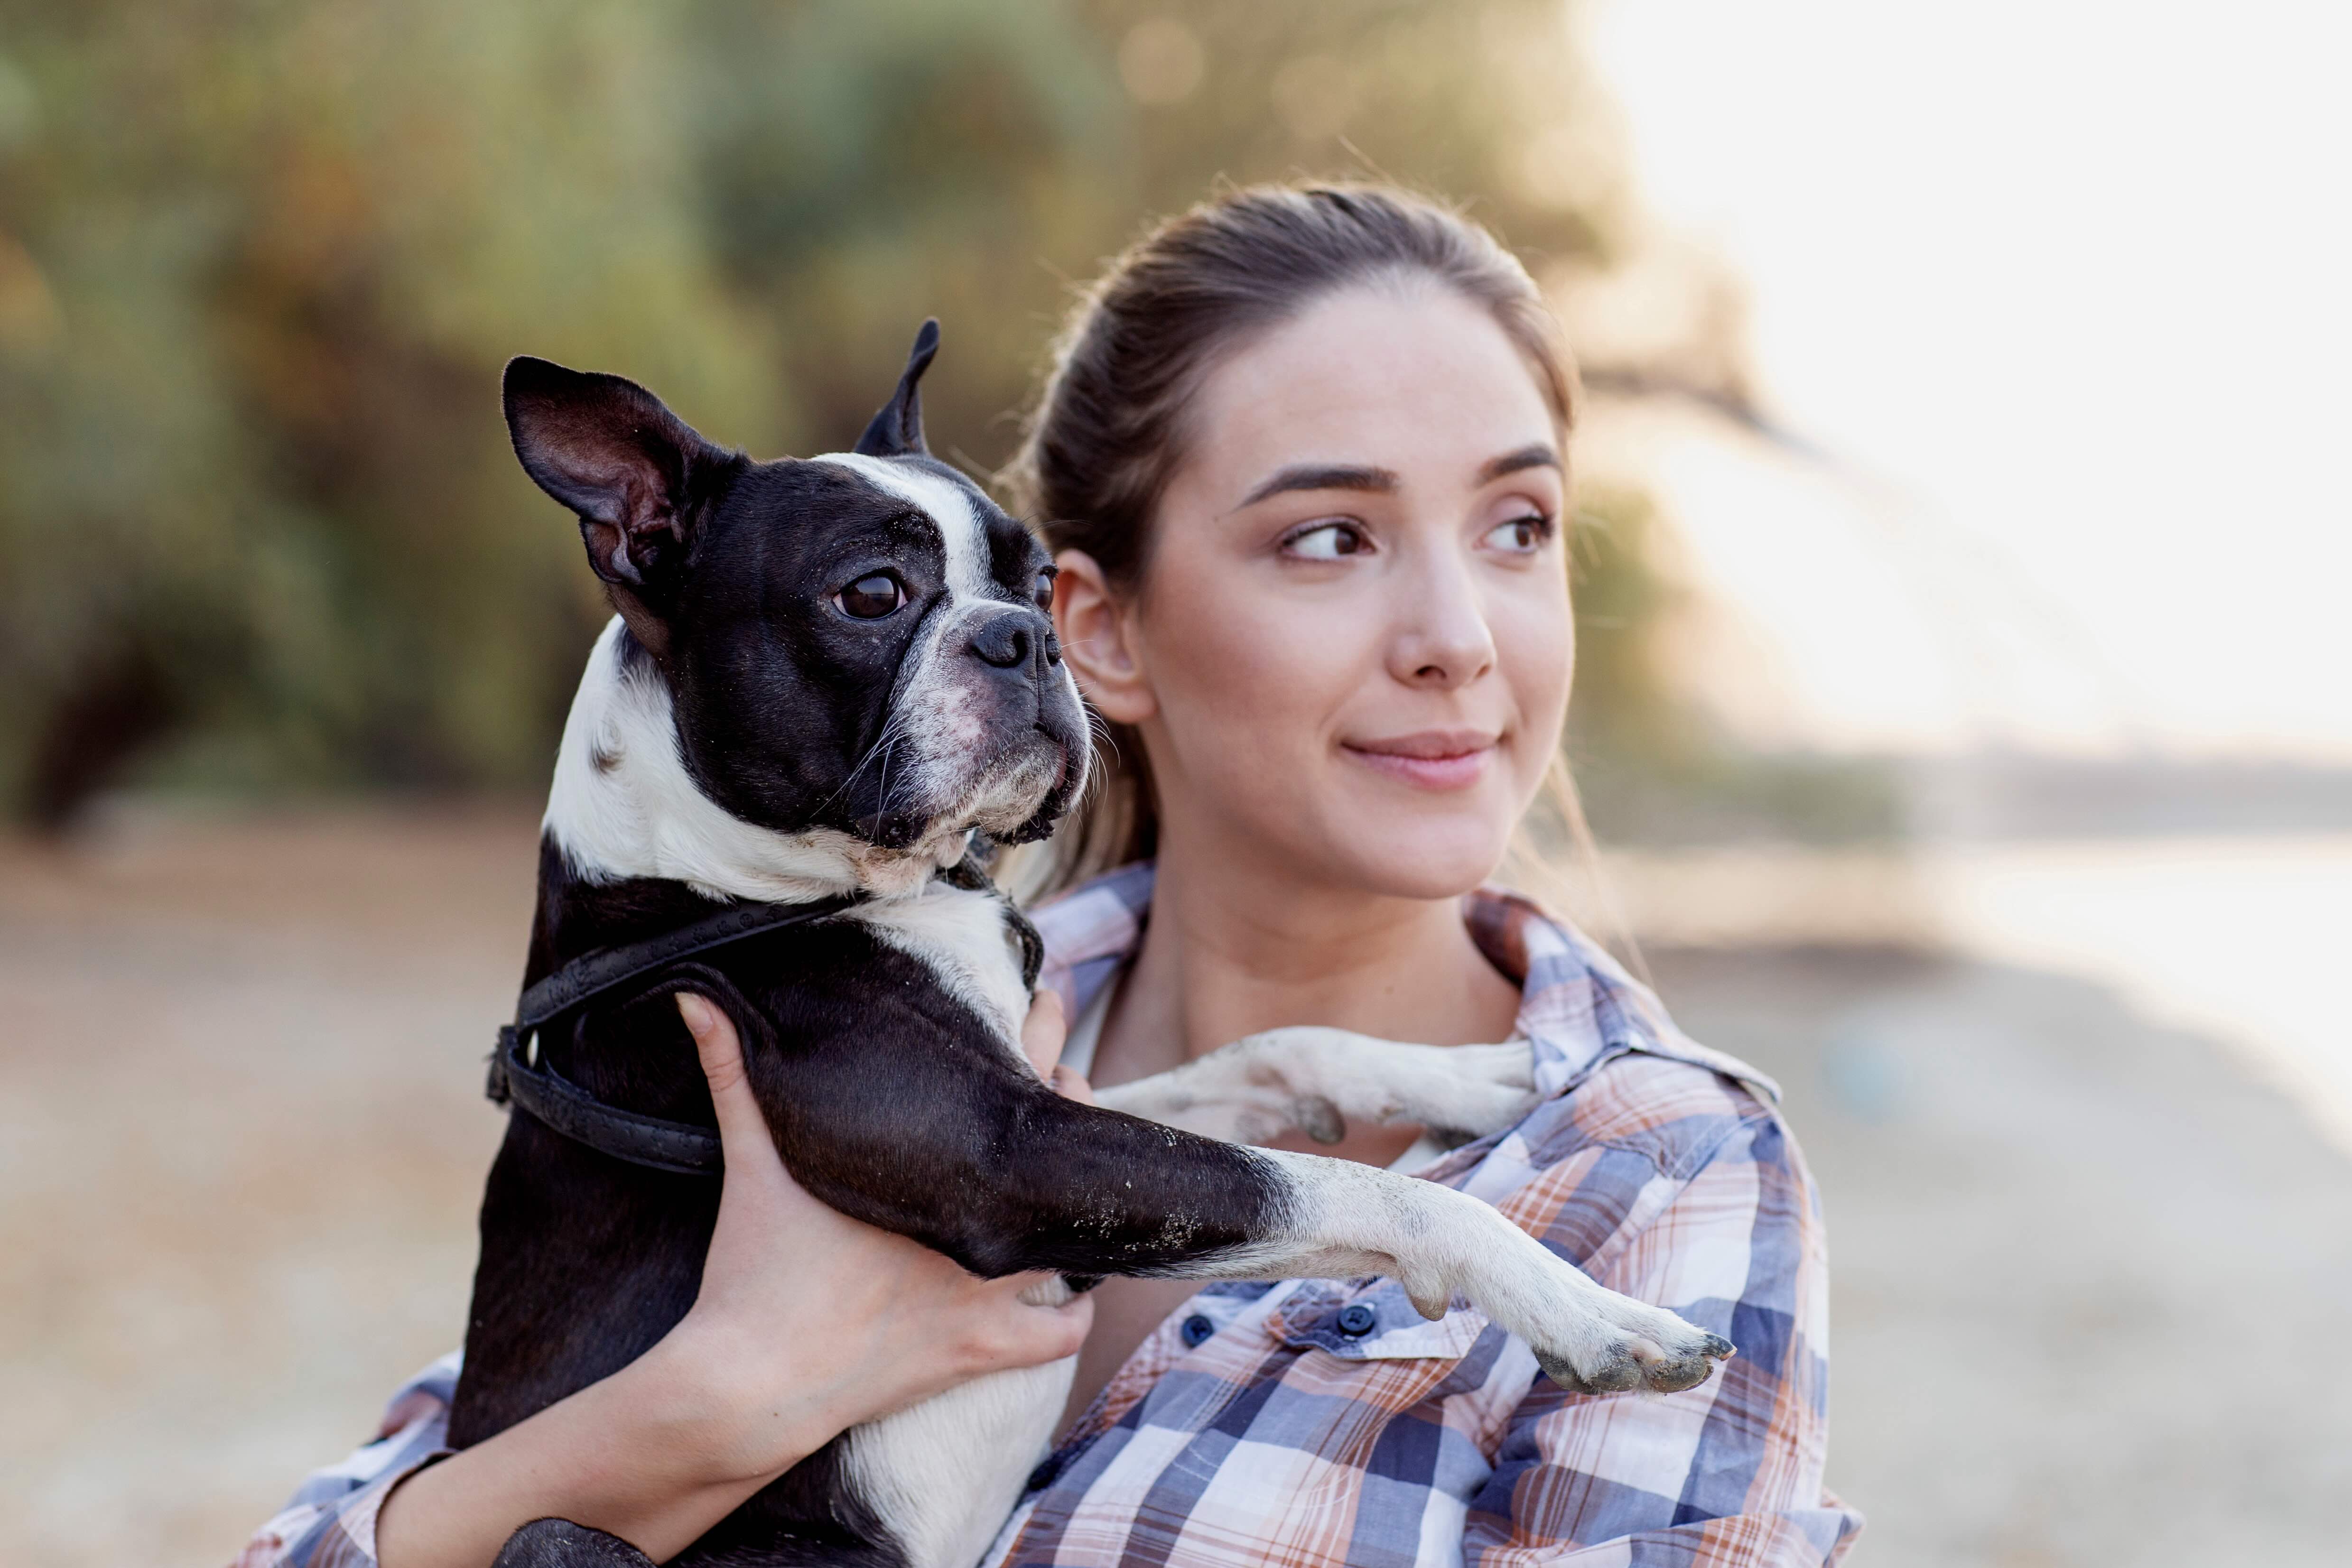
<point>261,262</point>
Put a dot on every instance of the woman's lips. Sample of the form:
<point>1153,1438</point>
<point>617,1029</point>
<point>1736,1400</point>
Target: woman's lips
<point>1434,759</point>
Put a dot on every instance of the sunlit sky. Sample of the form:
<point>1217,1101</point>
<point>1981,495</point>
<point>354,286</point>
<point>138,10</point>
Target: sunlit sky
<point>2065,285</point>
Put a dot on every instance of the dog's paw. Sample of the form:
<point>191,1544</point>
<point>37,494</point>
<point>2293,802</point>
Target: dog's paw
<point>1329,1077</point>
<point>1322,1081</point>
<point>1483,1089</point>
<point>1640,1347</point>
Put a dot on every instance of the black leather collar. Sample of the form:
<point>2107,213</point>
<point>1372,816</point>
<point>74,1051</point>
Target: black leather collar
<point>518,1078</point>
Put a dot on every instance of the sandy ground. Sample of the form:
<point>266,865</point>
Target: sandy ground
<point>2089,1277</point>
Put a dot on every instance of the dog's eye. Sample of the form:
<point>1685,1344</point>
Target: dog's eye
<point>871,598</point>
<point>1043,592</point>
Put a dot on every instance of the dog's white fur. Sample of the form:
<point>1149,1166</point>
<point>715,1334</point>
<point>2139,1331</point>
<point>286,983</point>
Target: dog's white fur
<point>1319,1080</point>
<point>938,720</point>
<point>945,1473</point>
<point>961,938</point>
<point>622,805</point>
<point>965,541</point>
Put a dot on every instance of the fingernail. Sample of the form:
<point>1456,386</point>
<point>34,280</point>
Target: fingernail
<point>695,1012</point>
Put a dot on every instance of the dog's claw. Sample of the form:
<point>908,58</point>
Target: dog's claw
<point>1430,1304</point>
<point>1621,1375</point>
<point>1641,1364</point>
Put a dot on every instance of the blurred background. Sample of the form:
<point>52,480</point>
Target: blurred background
<point>1965,703</point>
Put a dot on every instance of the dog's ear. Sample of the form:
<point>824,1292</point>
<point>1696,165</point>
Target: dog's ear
<point>607,448</point>
<point>897,430</point>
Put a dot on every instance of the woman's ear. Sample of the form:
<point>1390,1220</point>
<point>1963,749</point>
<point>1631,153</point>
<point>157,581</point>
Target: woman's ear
<point>1098,637</point>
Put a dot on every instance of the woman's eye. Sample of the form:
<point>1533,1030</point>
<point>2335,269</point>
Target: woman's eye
<point>871,598</point>
<point>1521,536</point>
<point>1043,592</point>
<point>1327,541</point>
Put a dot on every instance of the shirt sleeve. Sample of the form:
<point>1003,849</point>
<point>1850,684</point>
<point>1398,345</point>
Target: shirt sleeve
<point>1726,1475</point>
<point>329,1521</point>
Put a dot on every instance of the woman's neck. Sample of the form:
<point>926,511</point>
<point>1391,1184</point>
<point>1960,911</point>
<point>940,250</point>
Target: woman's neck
<point>1234,947</point>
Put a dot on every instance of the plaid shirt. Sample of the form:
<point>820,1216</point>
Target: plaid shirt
<point>1281,1423</point>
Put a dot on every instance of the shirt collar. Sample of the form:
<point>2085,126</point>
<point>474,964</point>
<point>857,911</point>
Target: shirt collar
<point>1578,1006</point>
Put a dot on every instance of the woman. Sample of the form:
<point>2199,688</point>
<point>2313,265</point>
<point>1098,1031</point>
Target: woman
<point>1301,458</point>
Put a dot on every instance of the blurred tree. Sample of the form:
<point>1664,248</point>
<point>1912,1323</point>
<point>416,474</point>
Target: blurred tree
<point>865,164</point>
<point>254,499</point>
<point>260,261</point>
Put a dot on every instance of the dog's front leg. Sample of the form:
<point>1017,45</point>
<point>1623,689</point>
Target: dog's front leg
<point>957,1145</point>
<point>1341,1219</point>
<point>1319,1080</point>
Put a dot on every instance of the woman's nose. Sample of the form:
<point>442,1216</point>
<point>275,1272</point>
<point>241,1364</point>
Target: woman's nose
<point>1442,640</point>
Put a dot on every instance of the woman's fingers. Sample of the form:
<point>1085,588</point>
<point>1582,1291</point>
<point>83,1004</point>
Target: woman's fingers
<point>1036,1335</point>
<point>804,1309</point>
<point>1018,1334</point>
<point>1015,1333</point>
<point>741,1127</point>
<point>1041,1032</point>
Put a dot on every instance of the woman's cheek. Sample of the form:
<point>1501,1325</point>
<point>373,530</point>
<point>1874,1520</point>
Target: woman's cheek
<point>1243,639</point>
<point>1535,646</point>
<point>1262,673</point>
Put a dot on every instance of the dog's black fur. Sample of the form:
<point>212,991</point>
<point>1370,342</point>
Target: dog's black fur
<point>718,565</point>
<point>891,1099</point>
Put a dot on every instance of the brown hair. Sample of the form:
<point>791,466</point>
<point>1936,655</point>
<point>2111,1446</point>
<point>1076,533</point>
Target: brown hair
<point>1108,427</point>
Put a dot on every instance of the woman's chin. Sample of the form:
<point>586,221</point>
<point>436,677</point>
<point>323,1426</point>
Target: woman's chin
<point>1410,855</point>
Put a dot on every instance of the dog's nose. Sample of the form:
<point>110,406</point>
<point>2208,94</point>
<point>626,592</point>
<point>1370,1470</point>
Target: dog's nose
<point>1009,641</point>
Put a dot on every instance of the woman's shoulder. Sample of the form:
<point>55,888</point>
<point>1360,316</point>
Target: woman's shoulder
<point>1613,1071</point>
<point>1654,1120</point>
<point>1642,1141</point>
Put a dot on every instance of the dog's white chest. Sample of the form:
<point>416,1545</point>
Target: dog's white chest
<point>964,939</point>
<point>946,1473</point>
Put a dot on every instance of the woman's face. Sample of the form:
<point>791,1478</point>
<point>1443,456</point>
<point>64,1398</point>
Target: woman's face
<point>1350,649</point>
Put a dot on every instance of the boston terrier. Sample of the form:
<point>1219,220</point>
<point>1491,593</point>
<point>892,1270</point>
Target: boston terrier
<point>824,678</point>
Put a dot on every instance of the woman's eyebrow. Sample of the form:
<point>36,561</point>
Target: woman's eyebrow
<point>1538,455</point>
<point>1325,476</point>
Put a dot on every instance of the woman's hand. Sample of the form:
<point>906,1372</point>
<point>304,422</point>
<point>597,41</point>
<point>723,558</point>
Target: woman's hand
<point>895,1322</point>
<point>808,1322</point>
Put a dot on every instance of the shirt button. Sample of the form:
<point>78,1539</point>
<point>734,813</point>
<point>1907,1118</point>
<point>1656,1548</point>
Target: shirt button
<point>1196,1331</point>
<point>1043,1476</point>
<point>1357,1320</point>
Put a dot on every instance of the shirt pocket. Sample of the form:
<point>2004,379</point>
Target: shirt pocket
<point>1374,1320</point>
<point>1371,1372</point>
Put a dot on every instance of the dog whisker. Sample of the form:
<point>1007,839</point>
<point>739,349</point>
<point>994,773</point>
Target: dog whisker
<point>891,729</point>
